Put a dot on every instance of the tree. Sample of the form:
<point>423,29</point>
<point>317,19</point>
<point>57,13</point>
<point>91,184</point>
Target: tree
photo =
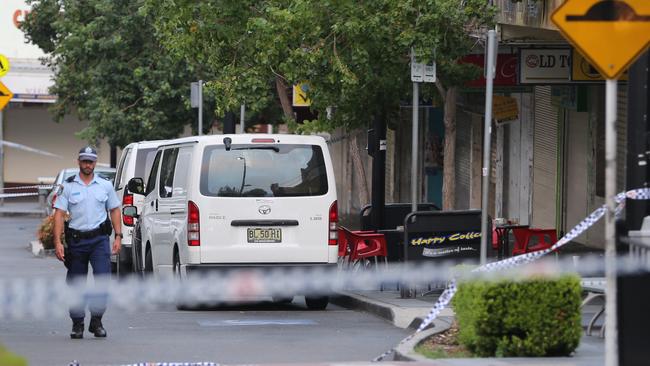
<point>356,57</point>
<point>111,70</point>
<point>353,54</point>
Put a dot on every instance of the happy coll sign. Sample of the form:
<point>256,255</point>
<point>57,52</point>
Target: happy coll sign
<point>544,66</point>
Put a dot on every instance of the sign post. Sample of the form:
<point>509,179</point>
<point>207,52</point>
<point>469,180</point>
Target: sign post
<point>487,138</point>
<point>196,101</point>
<point>611,35</point>
<point>419,73</point>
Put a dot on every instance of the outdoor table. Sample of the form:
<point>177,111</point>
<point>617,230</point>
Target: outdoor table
<point>503,237</point>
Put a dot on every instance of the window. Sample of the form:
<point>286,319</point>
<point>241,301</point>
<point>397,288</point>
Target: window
<point>263,171</point>
<point>151,182</point>
<point>167,173</point>
<point>143,162</point>
<point>181,174</point>
<point>120,170</point>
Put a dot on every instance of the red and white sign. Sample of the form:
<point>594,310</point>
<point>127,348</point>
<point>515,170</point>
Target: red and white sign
<point>506,74</point>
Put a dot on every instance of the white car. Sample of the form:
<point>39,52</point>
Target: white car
<point>135,161</point>
<point>223,201</point>
<point>104,172</point>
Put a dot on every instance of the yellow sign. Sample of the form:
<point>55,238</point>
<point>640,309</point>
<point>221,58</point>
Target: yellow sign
<point>504,109</point>
<point>581,69</point>
<point>5,96</point>
<point>300,98</point>
<point>611,34</point>
<point>4,65</point>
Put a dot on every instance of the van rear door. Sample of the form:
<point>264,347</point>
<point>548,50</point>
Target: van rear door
<point>264,204</point>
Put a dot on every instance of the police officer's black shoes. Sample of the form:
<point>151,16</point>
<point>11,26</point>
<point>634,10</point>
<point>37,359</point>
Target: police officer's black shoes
<point>96,327</point>
<point>77,330</point>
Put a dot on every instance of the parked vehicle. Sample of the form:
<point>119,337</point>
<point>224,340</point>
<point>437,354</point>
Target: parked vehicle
<point>104,172</point>
<point>135,161</point>
<point>224,201</point>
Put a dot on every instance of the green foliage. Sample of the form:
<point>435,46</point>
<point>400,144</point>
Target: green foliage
<point>11,359</point>
<point>539,317</point>
<point>355,55</point>
<point>111,70</point>
<point>45,232</point>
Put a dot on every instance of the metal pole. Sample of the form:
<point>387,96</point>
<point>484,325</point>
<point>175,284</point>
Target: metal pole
<point>2,156</point>
<point>414,147</point>
<point>487,138</point>
<point>200,107</point>
<point>242,113</point>
<point>611,333</point>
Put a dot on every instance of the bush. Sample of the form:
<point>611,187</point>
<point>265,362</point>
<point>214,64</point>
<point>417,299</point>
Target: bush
<point>10,359</point>
<point>535,318</point>
<point>46,233</point>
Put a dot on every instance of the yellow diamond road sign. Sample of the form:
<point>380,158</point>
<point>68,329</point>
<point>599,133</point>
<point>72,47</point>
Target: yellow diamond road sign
<point>5,96</point>
<point>611,34</point>
<point>4,65</point>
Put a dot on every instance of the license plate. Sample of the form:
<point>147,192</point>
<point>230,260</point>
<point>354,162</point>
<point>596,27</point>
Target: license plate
<point>264,235</point>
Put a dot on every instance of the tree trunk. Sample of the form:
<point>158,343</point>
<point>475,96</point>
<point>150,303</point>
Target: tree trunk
<point>281,88</point>
<point>361,181</point>
<point>449,165</point>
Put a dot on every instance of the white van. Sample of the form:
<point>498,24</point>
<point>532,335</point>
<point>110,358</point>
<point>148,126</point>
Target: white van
<point>136,161</point>
<point>223,201</point>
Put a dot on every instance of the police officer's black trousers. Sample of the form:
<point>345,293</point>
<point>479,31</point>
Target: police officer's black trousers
<point>96,251</point>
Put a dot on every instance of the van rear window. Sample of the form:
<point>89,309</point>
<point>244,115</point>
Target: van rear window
<point>263,171</point>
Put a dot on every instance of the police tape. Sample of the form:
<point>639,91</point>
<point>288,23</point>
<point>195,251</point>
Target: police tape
<point>584,225</point>
<point>47,298</point>
<point>19,188</point>
<point>76,363</point>
<point>13,195</point>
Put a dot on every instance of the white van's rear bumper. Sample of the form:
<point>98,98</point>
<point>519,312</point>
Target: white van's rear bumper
<point>203,269</point>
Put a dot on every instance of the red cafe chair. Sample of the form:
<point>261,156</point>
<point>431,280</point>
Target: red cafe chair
<point>532,240</point>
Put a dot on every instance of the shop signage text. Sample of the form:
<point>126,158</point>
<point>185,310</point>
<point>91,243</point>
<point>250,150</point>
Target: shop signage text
<point>544,65</point>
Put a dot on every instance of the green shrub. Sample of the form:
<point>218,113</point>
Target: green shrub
<point>10,359</point>
<point>533,318</point>
<point>45,233</point>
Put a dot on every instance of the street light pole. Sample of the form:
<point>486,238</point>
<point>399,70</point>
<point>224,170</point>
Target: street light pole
<point>611,335</point>
<point>487,138</point>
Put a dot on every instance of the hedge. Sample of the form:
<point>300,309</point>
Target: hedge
<point>532,318</point>
<point>10,359</point>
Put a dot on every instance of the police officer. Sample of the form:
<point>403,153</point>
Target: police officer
<point>87,197</point>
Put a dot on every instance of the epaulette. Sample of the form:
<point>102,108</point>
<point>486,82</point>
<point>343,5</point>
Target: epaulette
<point>70,179</point>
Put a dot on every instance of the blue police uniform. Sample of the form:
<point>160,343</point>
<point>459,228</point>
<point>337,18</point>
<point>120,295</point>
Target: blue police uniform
<point>87,205</point>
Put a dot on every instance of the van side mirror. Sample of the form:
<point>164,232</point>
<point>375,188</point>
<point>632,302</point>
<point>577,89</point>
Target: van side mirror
<point>130,211</point>
<point>136,186</point>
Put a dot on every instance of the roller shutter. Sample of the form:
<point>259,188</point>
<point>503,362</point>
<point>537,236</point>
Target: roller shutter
<point>545,139</point>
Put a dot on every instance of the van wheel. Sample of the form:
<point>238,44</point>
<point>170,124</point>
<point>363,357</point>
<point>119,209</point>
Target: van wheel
<point>136,255</point>
<point>148,264</point>
<point>317,303</point>
<point>176,266</point>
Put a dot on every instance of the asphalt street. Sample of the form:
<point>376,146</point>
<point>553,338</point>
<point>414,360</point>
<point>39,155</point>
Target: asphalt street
<point>260,332</point>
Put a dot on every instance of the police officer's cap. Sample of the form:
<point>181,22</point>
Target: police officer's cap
<point>88,153</point>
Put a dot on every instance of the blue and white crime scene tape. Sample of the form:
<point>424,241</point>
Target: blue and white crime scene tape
<point>584,225</point>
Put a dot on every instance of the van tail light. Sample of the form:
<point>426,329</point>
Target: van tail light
<point>193,226</point>
<point>54,200</point>
<point>127,200</point>
<point>333,225</point>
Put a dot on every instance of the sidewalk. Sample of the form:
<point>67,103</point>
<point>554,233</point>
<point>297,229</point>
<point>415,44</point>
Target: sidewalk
<point>408,313</point>
<point>27,206</point>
